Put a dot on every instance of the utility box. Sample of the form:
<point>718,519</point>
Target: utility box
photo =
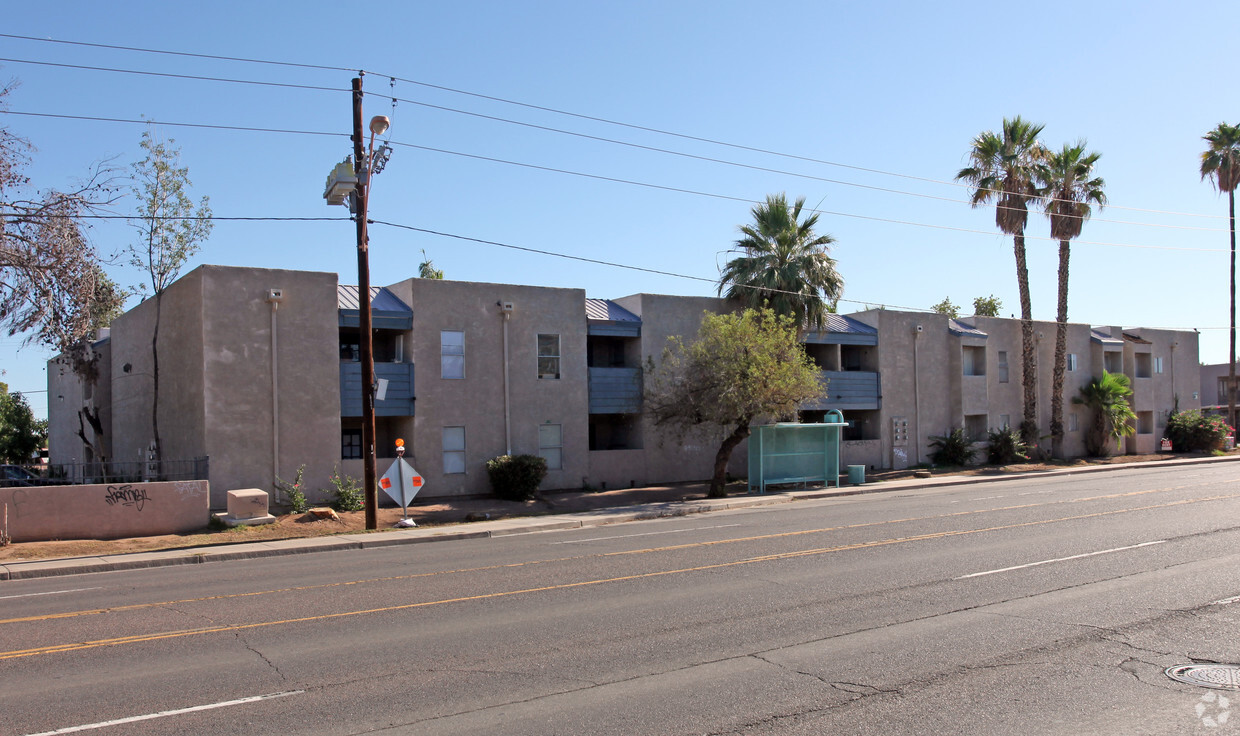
<point>247,506</point>
<point>796,453</point>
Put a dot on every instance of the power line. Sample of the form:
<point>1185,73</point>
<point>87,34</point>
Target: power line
<point>574,115</point>
<point>176,76</point>
<point>151,121</point>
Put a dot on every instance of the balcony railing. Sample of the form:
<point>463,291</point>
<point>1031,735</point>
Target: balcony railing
<point>397,401</point>
<point>615,390</point>
<point>858,390</point>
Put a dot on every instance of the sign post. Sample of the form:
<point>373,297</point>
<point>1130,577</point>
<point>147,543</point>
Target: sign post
<point>401,482</point>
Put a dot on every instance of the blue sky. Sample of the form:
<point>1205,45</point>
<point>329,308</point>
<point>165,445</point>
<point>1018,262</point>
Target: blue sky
<point>894,92</point>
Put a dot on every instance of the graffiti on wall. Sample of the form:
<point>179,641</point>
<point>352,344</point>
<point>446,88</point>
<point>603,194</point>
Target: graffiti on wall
<point>126,495</point>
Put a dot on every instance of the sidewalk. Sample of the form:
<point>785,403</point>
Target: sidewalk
<point>567,511</point>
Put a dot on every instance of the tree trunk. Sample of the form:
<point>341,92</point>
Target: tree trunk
<point>1061,355</point>
<point>1231,370</point>
<point>1029,378</point>
<point>159,452</point>
<point>720,479</point>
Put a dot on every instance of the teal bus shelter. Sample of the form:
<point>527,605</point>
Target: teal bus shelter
<point>796,453</point>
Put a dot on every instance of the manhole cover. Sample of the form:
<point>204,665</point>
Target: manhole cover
<point>1217,676</point>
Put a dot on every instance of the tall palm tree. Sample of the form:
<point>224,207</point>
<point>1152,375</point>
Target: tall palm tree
<point>1071,191</point>
<point>1221,162</point>
<point>783,264</point>
<point>1002,169</point>
<point>1113,415</point>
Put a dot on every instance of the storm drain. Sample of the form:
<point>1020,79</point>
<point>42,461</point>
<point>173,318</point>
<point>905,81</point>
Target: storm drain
<point>1217,676</point>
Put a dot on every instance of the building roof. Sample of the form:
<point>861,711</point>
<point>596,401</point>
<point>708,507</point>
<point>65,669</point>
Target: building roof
<point>960,329</point>
<point>1103,338</point>
<point>381,300</point>
<point>847,325</point>
<point>1136,338</point>
<point>607,310</point>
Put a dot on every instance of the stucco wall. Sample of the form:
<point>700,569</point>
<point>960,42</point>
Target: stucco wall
<point>476,402</point>
<point>67,394</point>
<point>105,511</point>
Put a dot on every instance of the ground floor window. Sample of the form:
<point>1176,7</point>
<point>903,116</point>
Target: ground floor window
<point>975,426</point>
<point>1145,422</point>
<point>453,450</point>
<point>551,445</point>
<point>351,444</point>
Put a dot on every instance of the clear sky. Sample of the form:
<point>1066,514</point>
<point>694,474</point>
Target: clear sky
<point>874,105</point>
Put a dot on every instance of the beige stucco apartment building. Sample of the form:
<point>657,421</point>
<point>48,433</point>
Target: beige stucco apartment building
<point>259,371</point>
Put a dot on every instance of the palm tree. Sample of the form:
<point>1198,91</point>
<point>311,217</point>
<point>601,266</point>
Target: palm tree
<point>1071,191</point>
<point>1002,168</point>
<point>784,264</point>
<point>427,270</point>
<point>1221,162</point>
<point>1108,397</point>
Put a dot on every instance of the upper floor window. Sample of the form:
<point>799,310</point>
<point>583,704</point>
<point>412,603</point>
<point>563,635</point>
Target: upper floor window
<point>548,356</point>
<point>1071,361</point>
<point>452,353</point>
<point>1143,363</point>
<point>1158,365</point>
<point>1003,366</point>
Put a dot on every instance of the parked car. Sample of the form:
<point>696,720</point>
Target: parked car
<point>16,476</point>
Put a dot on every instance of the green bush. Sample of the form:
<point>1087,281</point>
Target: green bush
<point>348,493</point>
<point>516,477</point>
<point>953,448</point>
<point>1004,447</point>
<point>1192,431</point>
<point>296,496</point>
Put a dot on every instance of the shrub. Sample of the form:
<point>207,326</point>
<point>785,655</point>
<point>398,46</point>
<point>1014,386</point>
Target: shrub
<point>953,448</point>
<point>1004,447</point>
<point>516,477</point>
<point>1192,431</point>
<point>296,497</point>
<point>348,493</point>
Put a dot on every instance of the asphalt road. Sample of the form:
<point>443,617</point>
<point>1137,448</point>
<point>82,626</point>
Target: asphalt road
<point>1047,605</point>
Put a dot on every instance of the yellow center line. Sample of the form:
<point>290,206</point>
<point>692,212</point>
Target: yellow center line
<point>138,638</point>
<point>648,550</point>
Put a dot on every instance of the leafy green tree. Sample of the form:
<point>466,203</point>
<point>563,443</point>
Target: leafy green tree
<point>427,270</point>
<point>51,284</point>
<point>1220,162</point>
<point>170,231</point>
<point>987,306</point>
<point>21,435</point>
<point>1108,398</point>
<point>742,367</point>
<point>784,264</point>
<point>1002,168</point>
<point>1072,190</point>
<point>946,307</point>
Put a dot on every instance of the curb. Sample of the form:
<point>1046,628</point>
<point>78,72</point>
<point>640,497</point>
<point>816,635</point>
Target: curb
<point>520,525</point>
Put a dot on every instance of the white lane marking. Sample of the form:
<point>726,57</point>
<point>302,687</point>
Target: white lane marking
<point>983,498</point>
<point>50,592</point>
<point>166,713</point>
<point>1059,559</point>
<point>647,534</point>
<point>1225,601</point>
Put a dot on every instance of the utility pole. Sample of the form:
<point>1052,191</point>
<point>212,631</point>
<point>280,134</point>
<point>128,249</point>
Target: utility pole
<point>365,339</point>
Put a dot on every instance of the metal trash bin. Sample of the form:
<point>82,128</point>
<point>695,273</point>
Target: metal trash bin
<point>856,475</point>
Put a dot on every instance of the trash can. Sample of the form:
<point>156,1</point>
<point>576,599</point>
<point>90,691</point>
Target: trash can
<point>856,475</point>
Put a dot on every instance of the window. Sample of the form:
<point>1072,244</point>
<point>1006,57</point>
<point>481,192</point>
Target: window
<point>453,450</point>
<point>452,354</point>
<point>1005,421</point>
<point>1222,389</point>
<point>1158,365</point>
<point>548,356</point>
<point>1143,365</point>
<point>1113,362</point>
<point>351,444</point>
<point>551,445</point>
<point>1073,425</point>
<point>1003,366</point>
<point>974,361</point>
<point>1071,361</point>
<point>975,427</point>
<point>1145,422</point>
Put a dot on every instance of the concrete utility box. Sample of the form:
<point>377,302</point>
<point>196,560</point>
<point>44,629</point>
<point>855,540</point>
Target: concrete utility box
<point>796,453</point>
<point>247,506</point>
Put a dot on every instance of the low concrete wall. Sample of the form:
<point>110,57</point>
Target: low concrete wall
<point>105,511</point>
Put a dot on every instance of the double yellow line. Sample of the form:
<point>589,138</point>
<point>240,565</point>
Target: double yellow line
<point>137,638</point>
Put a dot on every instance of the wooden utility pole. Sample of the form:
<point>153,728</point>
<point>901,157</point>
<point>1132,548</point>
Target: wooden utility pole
<point>365,337</point>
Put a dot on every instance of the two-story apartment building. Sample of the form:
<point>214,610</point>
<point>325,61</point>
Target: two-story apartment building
<point>259,371</point>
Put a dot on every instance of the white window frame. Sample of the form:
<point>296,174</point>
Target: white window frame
<point>1158,365</point>
<point>449,353</point>
<point>1002,363</point>
<point>1071,362</point>
<point>453,457</point>
<point>1073,422</point>
<point>549,375</point>
<point>556,451</point>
